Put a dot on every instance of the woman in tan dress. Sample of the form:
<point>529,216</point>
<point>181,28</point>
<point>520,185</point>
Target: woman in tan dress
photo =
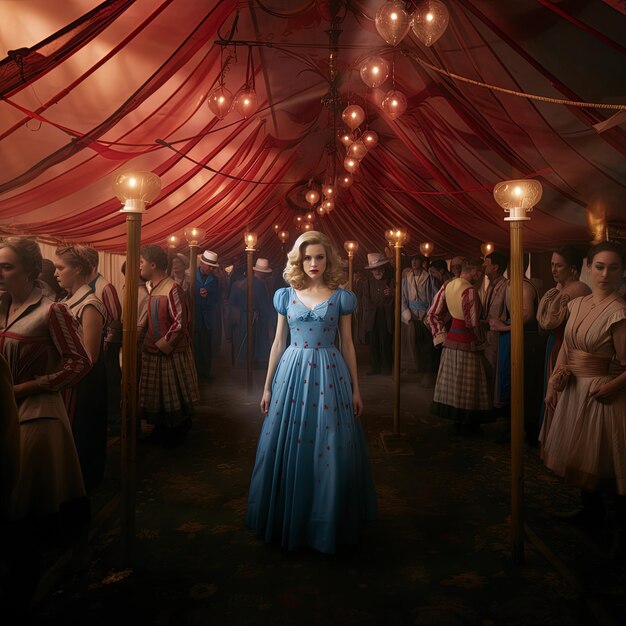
<point>586,442</point>
<point>566,264</point>
<point>86,402</point>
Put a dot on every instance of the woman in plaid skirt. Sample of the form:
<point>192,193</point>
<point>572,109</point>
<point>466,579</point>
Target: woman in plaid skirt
<point>461,391</point>
<point>168,388</point>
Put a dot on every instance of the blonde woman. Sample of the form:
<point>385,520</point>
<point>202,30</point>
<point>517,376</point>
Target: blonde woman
<point>312,485</point>
<point>86,402</point>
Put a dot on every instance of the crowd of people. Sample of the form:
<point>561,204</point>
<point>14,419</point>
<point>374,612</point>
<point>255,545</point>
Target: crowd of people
<point>60,340</point>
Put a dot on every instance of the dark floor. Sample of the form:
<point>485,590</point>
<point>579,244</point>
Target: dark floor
<point>439,553</point>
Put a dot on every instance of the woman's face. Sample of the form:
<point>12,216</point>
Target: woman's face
<point>561,271</point>
<point>66,274</point>
<point>177,266</point>
<point>314,261</point>
<point>606,271</point>
<point>12,275</point>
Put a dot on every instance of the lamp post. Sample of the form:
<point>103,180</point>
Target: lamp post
<point>350,247</point>
<point>193,236</point>
<point>396,238</point>
<point>173,241</point>
<point>250,240</point>
<point>135,190</point>
<point>283,235</point>
<point>517,197</point>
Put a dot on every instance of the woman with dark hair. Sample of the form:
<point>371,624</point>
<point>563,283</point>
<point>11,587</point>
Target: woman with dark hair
<point>552,314</point>
<point>168,388</point>
<point>42,345</point>
<point>586,442</point>
<point>86,402</point>
<point>311,484</point>
<point>48,282</point>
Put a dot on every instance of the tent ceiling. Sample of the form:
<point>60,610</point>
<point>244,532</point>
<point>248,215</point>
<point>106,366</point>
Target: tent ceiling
<point>84,98</point>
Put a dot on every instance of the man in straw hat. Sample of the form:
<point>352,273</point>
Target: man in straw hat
<point>378,294</point>
<point>207,312</point>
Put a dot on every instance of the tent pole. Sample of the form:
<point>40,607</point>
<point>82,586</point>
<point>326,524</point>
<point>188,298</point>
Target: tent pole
<point>517,392</point>
<point>396,340</point>
<point>129,386</point>
<point>249,311</point>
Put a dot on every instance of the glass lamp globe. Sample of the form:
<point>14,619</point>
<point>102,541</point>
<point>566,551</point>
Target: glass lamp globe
<point>353,116</point>
<point>350,164</point>
<point>517,197</point>
<point>429,21</point>
<point>370,139</point>
<point>350,246</point>
<point>329,191</point>
<point>312,196</point>
<point>374,71</point>
<point>345,180</point>
<point>246,102</point>
<point>136,189</point>
<point>220,101</point>
<point>193,235</point>
<point>250,239</point>
<point>392,22</point>
<point>346,137</point>
<point>394,103</point>
<point>487,248</point>
<point>427,248</point>
<point>357,150</point>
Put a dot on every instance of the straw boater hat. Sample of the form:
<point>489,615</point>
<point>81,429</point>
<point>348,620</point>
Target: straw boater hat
<point>375,259</point>
<point>262,265</point>
<point>183,259</point>
<point>209,258</point>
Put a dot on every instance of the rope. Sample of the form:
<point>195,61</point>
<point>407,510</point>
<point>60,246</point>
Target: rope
<point>512,92</point>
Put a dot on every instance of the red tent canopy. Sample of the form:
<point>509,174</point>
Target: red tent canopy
<point>86,95</point>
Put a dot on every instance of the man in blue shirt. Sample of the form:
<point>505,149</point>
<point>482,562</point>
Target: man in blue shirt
<point>207,308</point>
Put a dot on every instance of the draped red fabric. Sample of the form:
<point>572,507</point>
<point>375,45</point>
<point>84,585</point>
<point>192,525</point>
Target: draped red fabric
<point>124,85</point>
<point>24,65</point>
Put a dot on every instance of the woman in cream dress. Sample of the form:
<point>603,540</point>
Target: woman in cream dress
<point>566,264</point>
<point>586,442</point>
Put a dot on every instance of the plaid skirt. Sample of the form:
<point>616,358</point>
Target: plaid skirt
<point>462,381</point>
<point>168,387</point>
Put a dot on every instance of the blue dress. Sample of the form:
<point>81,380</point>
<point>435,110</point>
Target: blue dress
<point>311,484</point>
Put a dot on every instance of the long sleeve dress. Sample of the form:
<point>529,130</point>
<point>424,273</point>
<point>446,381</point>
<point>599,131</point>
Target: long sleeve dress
<point>41,341</point>
<point>461,391</point>
<point>168,387</point>
<point>586,442</point>
<point>311,484</point>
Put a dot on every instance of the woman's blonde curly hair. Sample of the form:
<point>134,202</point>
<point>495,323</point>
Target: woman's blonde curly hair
<point>78,256</point>
<point>294,273</point>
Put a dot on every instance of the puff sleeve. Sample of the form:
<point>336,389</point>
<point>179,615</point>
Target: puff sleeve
<point>347,302</point>
<point>553,309</point>
<point>281,300</point>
